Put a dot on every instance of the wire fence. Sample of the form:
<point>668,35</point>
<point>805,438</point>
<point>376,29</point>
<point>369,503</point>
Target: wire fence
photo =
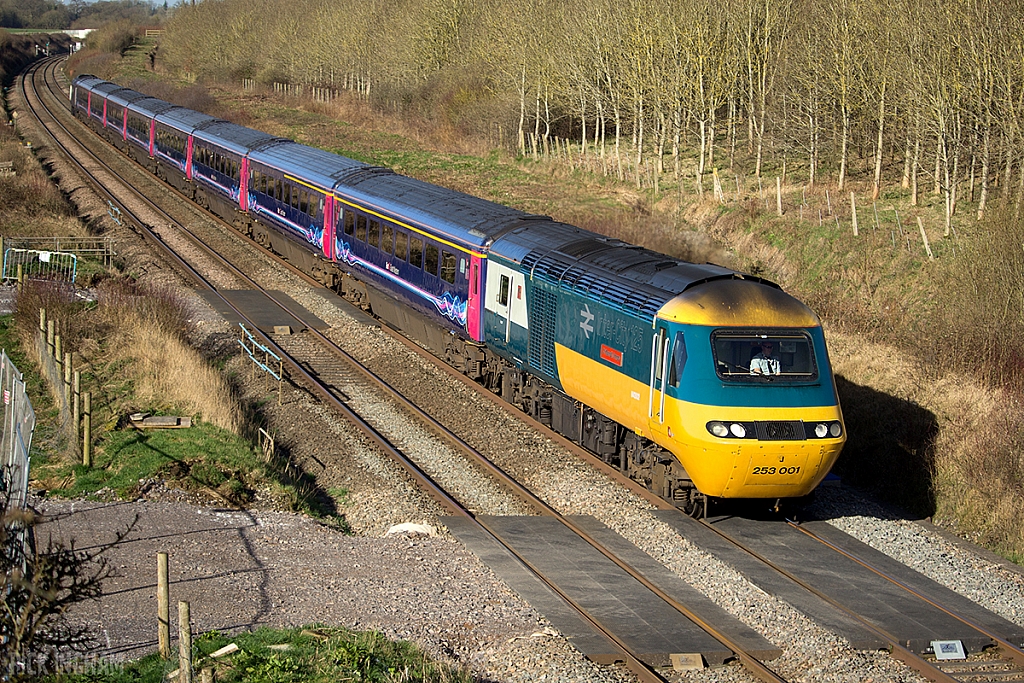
<point>18,424</point>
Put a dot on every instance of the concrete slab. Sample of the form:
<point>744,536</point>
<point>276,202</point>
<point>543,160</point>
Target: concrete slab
<point>912,621</point>
<point>531,589</point>
<point>668,581</point>
<point>263,312</point>
<point>772,582</point>
<point>649,626</point>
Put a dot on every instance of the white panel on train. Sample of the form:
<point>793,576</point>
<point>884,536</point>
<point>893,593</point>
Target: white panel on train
<point>506,294</point>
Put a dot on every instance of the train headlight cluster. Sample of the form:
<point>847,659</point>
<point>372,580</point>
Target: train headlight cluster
<point>732,430</point>
<point>776,431</point>
<point>827,430</point>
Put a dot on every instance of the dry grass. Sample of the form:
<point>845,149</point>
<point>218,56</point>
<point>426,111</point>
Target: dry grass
<point>939,442</point>
<point>131,349</point>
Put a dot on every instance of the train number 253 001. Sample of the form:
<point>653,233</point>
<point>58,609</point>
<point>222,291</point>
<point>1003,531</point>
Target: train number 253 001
<point>776,470</point>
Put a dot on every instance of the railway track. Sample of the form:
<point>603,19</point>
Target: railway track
<point>345,385</point>
<point>331,373</point>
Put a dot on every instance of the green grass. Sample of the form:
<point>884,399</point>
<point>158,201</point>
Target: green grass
<point>199,457</point>
<point>312,655</point>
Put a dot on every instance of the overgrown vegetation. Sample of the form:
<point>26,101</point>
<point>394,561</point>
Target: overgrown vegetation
<point>49,14</point>
<point>309,655</point>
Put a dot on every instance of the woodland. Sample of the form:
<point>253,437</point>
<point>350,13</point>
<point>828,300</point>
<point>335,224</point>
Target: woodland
<point>931,93</point>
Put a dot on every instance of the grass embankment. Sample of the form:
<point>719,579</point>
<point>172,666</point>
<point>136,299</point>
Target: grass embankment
<point>314,655</point>
<point>926,350</point>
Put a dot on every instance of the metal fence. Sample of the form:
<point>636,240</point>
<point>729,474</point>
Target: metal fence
<point>52,258</point>
<point>18,424</point>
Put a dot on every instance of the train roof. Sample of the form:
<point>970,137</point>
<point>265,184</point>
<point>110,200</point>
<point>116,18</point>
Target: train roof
<point>87,81</point>
<point>150,106</point>
<point>471,220</point>
<point>316,166</point>
<point>125,96</point>
<point>105,88</point>
<point>233,137</point>
<point>623,275</point>
<point>184,120</point>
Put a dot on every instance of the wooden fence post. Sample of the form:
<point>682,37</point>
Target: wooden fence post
<point>42,320</point>
<point>163,609</point>
<point>67,377</point>
<point>184,643</point>
<point>76,401</point>
<point>924,237</point>
<point>49,337</point>
<point>87,430</point>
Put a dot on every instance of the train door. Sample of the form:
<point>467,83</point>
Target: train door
<point>327,215</point>
<point>505,297</point>
<point>660,354</point>
<point>473,311</point>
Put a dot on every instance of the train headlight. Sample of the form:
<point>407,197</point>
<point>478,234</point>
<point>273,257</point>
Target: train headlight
<point>821,430</point>
<point>718,429</point>
<point>738,430</point>
<point>836,429</point>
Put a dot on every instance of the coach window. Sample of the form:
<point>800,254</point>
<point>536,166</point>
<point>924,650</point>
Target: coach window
<point>304,202</point>
<point>361,228</point>
<point>264,182</point>
<point>295,198</point>
<point>374,233</point>
<point>387,238</point>
<point>430,266</point>
<point>350,222</point>
<point>448,267</point>
<point>416,252</point>
<point>401,244</point>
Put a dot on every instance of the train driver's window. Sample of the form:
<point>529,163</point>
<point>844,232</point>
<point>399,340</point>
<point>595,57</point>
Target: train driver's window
<point>416,252</point>
<point>350,223</point>
<point>361,228</point>
<point>448,267</point>
<point>675,371</point>
<point>401,244</point>
<point>503,291</point>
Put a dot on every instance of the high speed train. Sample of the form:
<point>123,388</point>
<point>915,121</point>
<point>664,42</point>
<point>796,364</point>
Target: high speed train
<point>694,379</point>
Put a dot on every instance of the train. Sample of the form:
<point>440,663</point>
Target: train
<point>698,381</point>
